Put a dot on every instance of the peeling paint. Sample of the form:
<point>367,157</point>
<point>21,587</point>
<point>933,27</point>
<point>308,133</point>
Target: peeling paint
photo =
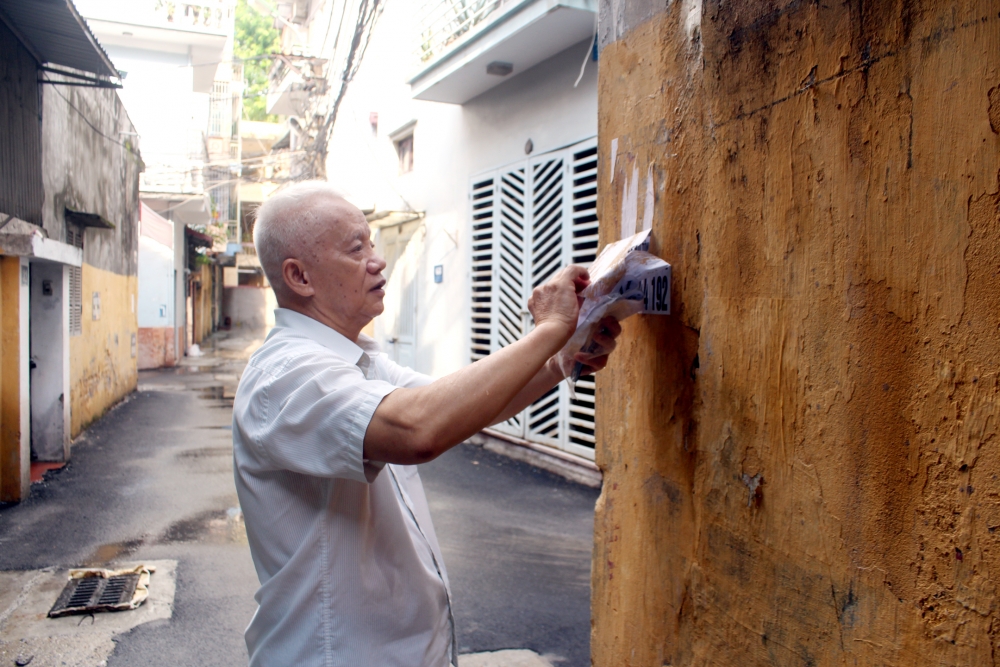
<point>649,205</point>
<point>614,157</point>
<point>630,202</point>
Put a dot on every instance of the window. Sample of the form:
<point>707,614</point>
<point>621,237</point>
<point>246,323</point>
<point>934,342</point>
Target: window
<point>404,151</point>
<point>74,237</point>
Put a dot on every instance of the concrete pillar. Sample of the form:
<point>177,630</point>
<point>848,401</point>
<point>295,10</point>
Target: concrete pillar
<point>15,435</point>
<point>802,465</point>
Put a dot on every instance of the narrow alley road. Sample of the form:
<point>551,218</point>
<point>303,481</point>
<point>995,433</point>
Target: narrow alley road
<point>152,481</point>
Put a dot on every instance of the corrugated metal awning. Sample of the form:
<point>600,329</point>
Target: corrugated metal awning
<point>55,33</point>
<point>85,219</point>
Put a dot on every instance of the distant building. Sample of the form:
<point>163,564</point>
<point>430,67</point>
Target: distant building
<point>469,137</point>
<point>185,95</point>
<point>69,213</point>
<point>248,300</point>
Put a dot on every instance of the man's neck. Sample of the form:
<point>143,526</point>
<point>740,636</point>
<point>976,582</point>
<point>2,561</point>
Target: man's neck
<point>309,309</point>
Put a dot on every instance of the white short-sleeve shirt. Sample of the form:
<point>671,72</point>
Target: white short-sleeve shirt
<point>349,565</point>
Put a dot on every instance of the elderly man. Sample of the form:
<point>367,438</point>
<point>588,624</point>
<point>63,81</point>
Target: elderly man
<point>326,432</point>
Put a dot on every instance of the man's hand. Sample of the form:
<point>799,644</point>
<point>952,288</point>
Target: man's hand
<point>608,329</point>
<point>558,301</point>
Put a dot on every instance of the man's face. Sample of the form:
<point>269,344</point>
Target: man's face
<point>343,267</point>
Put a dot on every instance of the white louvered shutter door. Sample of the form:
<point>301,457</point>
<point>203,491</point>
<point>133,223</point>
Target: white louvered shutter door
<point>528,221</point>
<point>583,243</point>
<point>481,297</point>
<point>510,293</point>
<point>546,256</point>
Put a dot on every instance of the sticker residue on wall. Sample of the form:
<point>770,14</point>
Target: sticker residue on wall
<point>614,154</point>
<point>630,202</point>
<point>650,203</point>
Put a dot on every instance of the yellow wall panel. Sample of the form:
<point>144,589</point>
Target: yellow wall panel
<point>802,463</point>
<point>103,365</point>
<point>14,453</point>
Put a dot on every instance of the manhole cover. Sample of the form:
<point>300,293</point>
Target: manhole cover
<point>90,594</point>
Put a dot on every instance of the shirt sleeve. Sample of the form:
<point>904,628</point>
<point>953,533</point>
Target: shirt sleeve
<point>315,419</point>
<point>403,376</point>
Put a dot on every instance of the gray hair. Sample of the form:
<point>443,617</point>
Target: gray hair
<point>282,224</point>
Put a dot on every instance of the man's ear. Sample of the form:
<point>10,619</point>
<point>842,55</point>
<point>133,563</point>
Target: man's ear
<point>296,277</point>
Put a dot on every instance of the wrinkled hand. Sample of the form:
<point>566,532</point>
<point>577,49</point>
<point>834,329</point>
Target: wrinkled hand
<point>608,330</point>
<point>558,301</point>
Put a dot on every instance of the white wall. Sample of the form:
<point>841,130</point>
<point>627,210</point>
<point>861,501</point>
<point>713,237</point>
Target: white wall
<point>169,117</point>
<point>451,144</point>
<point>156,284</point>
<point>249,307</point>
<point>180,291</point>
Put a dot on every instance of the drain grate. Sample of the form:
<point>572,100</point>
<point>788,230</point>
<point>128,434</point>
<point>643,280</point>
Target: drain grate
<point>90,594</point>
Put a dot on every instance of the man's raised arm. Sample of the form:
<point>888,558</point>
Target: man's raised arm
<point>416,425</point>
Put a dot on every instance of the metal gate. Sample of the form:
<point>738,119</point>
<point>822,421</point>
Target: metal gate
<point>530,219</point>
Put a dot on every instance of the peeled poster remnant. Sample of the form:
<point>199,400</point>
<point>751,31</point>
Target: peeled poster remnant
<point>625,279</point>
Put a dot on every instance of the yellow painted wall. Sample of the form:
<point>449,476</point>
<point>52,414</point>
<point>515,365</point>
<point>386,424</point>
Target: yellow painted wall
<point>202,302</point>
<point>802,463</point>
<point>14,451</point>
<point>103,364</point>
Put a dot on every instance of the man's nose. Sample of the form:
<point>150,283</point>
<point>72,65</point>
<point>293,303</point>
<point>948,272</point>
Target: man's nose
<point>376,264</point>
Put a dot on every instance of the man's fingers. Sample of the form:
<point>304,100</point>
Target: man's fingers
<point>577,275</point>
<point>592,365</point>
<point>605,343</point>
<point>611,326</point>
<point>608,329</point>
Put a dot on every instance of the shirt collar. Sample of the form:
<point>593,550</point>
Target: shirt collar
<point>331,339</point>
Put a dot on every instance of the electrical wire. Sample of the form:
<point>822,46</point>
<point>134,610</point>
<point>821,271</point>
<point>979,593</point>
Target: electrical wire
<point>85,119</point>
<point>590,51</point>
<point>336,39</point>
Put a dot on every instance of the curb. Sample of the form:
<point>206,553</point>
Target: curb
<point>573,468</point>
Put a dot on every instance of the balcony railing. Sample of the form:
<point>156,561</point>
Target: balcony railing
<point>447,23</point>
<point>204,15</point>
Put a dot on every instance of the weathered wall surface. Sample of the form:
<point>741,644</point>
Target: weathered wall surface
<point>15,415</point>
<point>249,307</point>
<point>104,359</point>
<point>805,469</point>
<point>202,289</point>
<point>90,165</point>
<point>156,347</point>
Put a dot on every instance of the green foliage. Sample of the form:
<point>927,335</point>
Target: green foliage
<point>255,36</point>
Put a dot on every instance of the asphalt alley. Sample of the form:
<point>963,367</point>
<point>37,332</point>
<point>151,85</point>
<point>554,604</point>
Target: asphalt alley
<point>152,481</point>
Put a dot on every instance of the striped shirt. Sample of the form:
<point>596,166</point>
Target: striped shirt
<point>349,565</point>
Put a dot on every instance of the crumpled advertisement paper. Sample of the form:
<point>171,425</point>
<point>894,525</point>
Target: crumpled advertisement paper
<point>625,279</point>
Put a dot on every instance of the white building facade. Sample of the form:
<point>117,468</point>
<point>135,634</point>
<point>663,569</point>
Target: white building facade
<point>182,91</point>
<point>468,136</point>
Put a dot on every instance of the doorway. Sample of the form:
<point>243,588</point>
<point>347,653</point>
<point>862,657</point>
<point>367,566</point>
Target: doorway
<point>48,377</point>
<point>401,246</point>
